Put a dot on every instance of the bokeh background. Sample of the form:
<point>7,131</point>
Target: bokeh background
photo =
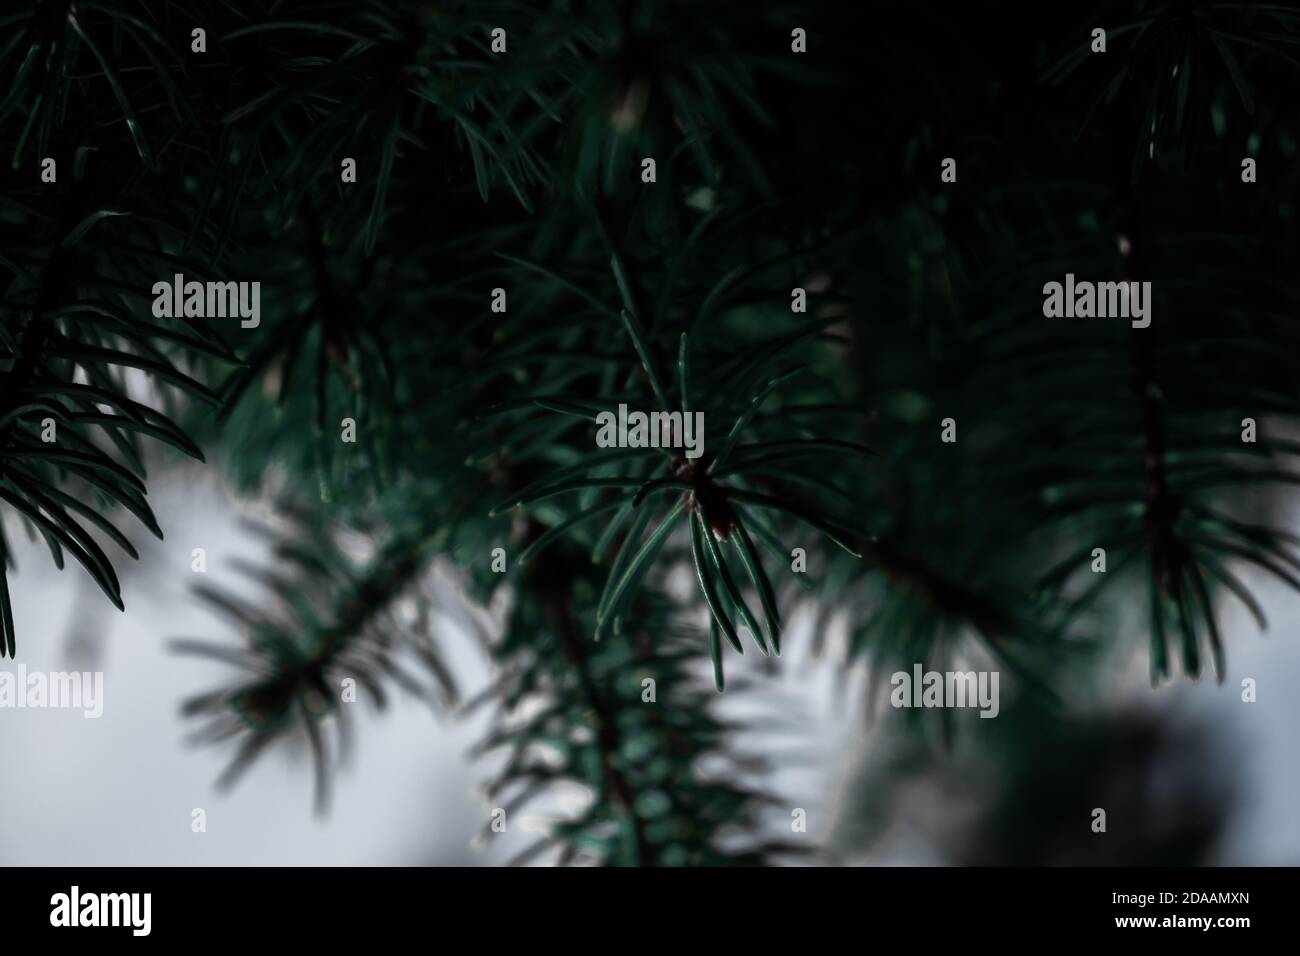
<point>1190,773</point>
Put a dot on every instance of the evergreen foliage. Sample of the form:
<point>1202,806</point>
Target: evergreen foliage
<point>522,170</point>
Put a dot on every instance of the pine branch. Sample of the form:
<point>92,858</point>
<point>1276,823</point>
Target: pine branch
<point>328,620</point>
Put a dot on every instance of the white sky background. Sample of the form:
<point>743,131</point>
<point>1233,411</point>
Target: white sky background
<point>120,790</point>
